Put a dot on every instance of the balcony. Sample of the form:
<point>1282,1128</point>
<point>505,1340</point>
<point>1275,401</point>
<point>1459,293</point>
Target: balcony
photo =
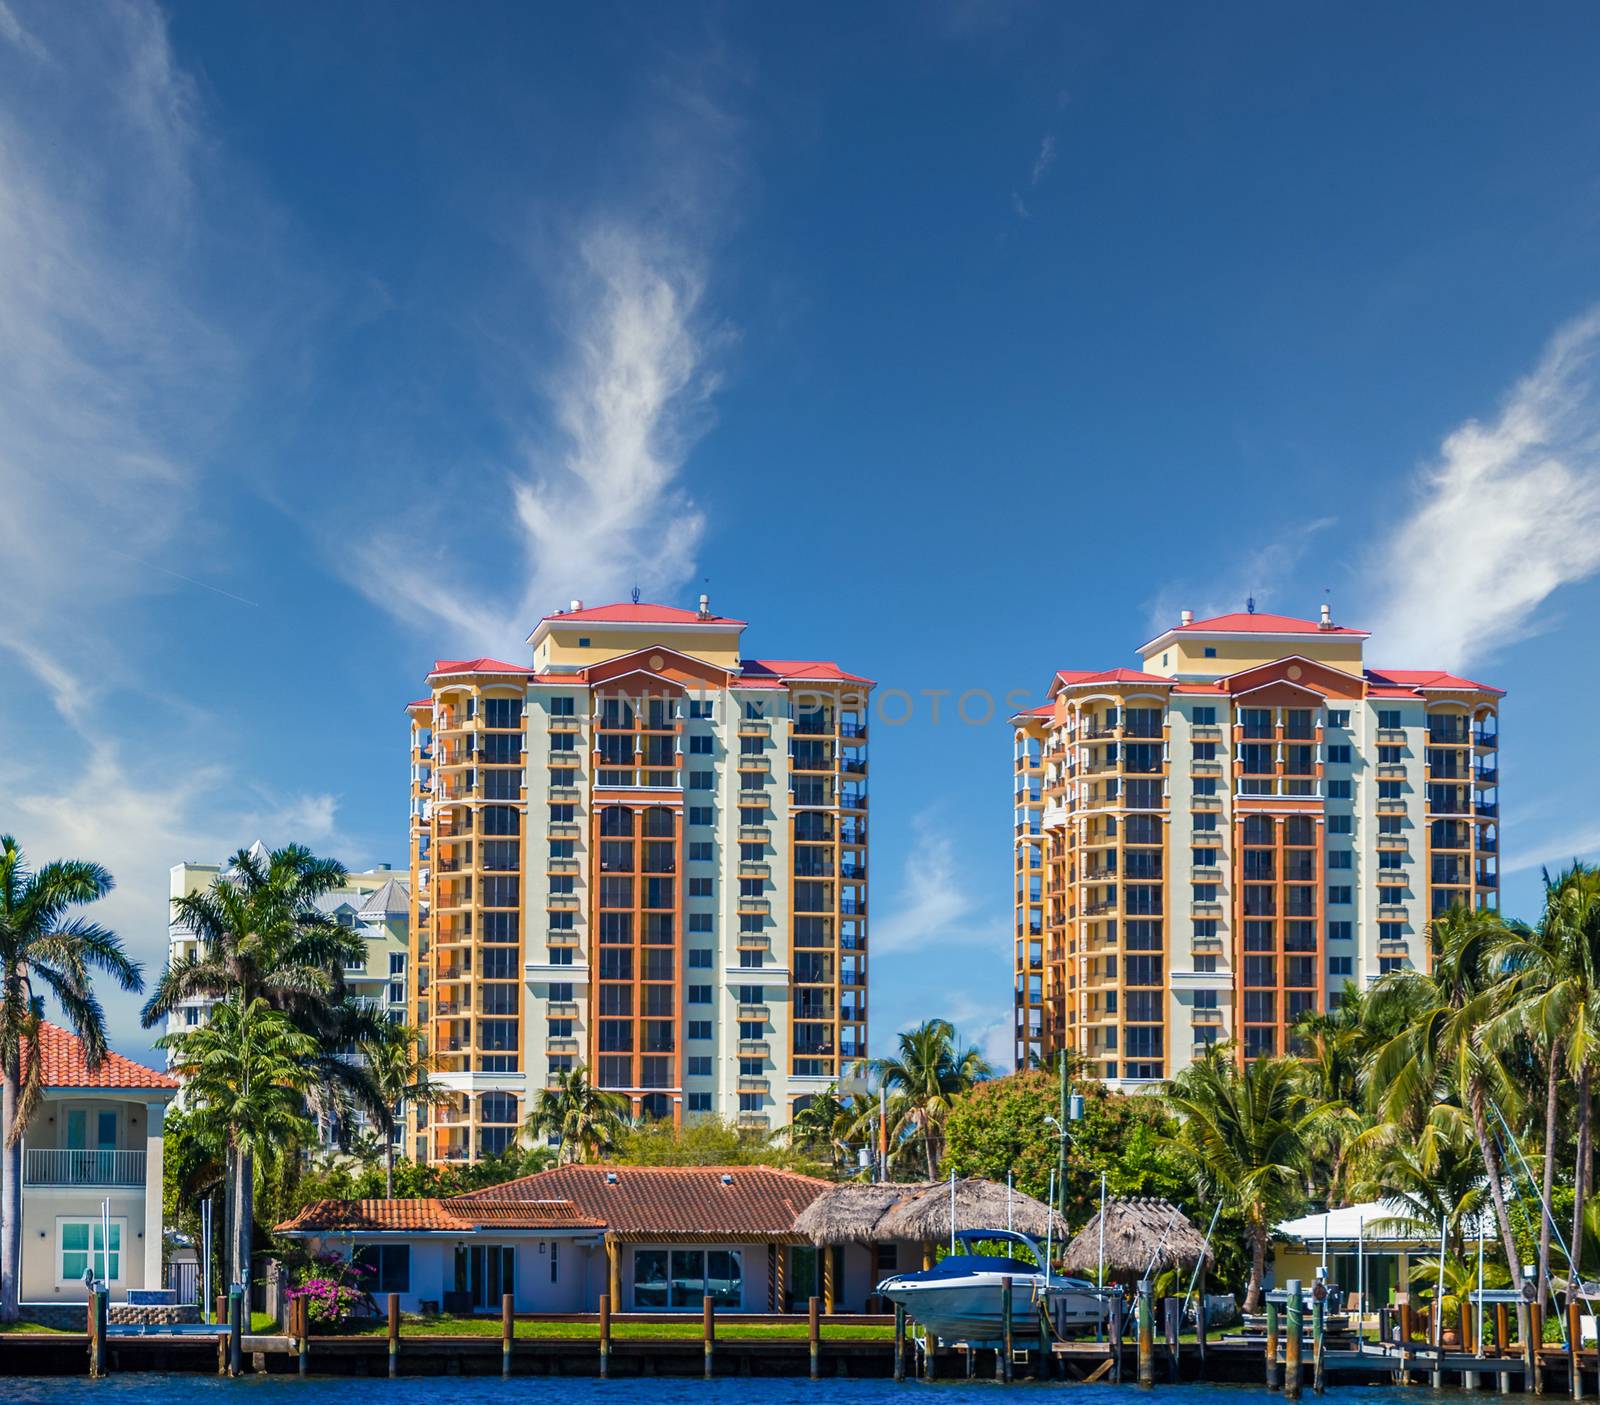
<point>52,1166</point>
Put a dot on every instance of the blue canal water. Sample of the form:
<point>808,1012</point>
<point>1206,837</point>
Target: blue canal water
<point>158,1389</point>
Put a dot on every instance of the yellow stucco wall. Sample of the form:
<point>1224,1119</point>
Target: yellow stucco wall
<point>1186,655</point>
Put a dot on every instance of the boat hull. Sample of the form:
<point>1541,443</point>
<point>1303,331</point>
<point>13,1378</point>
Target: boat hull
<point>969,1308</point>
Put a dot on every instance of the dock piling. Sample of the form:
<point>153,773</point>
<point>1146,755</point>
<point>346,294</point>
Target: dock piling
<point>605,1336</point>
<point>1114,1331</point>
<point>508,1327</point>
<point>99,1313</point>
<point>394,1335</point>
<point>1045,1353</point>
<point>236,1329</point>
<point>708,1331</point>
<point>1294,1328</point>
<point>1272,1345</point>
<point>1145,1327</point>
<point>1574,1339</point>
<point>814,1333</point>
<point>1535,1321</point>
<point>1502,1341</point>
<point>302,1333</point>
<point>1172,1324</point>
<point>1004,1373</point>
<point>899,1341</point>
<point>1318,1317</point>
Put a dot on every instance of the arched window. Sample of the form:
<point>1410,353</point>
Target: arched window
<point>616,820</point>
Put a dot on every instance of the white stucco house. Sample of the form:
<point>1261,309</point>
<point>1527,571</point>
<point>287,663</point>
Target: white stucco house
<point>96,1136</point>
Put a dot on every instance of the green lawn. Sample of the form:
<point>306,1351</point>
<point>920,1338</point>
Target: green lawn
<point>34,1328</point>
<point>665,1330</point>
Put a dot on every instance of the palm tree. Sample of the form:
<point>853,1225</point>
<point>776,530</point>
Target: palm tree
<point>263,937</point>
<point>1333,1047</point>
<point>1245,1136</point>
<point>1446,1050</point>
<point>43,948</point>
<point>587,1120</point>
<point>403,1074</point>
<point>246,1072</point>
<point>923,1082</point>
<point>823,1123</point>
<point>1556,1002</point>
<point>1433,1178</point>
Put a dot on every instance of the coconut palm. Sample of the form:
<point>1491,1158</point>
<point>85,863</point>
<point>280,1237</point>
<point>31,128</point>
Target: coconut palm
<point>823,1124</point>
<point>44,948</point>
<point>1555,1001</point>
<point>263,937</point>
<point>1445,1052</point>
<point>587,1120</point>
<point>403,1075</point>
<point>923,1081</point>
<point>1246,1136</point>
<point>1433,1178</point>
<point>245,1072</point>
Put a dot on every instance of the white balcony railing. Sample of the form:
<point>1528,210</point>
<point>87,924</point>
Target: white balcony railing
<point>62,1166</point>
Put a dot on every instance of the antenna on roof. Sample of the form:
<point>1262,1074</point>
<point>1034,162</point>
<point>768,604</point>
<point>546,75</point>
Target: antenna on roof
<point>1250,605</point>
<point>635,594</point>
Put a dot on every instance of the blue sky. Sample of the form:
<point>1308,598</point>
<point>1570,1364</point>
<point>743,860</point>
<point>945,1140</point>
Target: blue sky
<point>336,339</point>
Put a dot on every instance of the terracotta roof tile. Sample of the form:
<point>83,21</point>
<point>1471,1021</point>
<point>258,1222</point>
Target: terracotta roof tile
<point>452,1216</point>
<point>65,1065</point>
<point>791,670</point>
<point>1256,623</point>
<point>704,1200</point>
<point>449,667</point>
<point>1429,678</point>
<point>640,614</point>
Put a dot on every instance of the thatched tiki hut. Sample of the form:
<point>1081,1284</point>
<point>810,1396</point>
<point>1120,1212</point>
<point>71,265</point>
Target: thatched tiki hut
<point>866,1232</point>
<point>1137,1232</point>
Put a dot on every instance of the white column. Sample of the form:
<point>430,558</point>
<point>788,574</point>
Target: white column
<point>154,1118</point>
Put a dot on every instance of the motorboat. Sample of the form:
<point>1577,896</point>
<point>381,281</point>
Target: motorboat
<point>959,1298</point>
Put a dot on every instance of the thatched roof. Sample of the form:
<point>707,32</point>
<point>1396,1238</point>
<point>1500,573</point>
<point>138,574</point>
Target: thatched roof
<point>919,1211</point>
<point>1133,1230</point>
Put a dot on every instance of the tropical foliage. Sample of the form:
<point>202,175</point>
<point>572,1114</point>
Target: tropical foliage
<point>45,949</point>
<point>587,1122</point>
<point>921,1082</point>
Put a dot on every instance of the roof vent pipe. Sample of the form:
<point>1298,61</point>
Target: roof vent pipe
<point>575,605</point>
<point>1185,618</point>
<point>705,607</point>
<point>1326,621</point>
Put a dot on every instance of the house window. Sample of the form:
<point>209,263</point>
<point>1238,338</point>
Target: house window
<point>1339,754</point>
<point>684,1278</point>
<point>1338,717</point>
<point>702,814</point>
<point>1210,651</point>
<point>83,1241</point>
<point>699,1102</point>
<point>700,711</point>
<point>1339,790</point>
<point>1389,720</point>
<point>561,707</point>
<point>699,1029</point>
<point>702,851</point>
<point>700,746</point>
<point>388,1267</point>
<point>1205,717</point>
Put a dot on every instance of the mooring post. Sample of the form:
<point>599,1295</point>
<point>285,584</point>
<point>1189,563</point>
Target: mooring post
<point>1535,1341</point>
<point>1318,1316</point>
<point>814,1334</point>
<point>302,1333</point>
<point>508,1327</point>
<point>1574,1341</point>
<point>1272,1345</point>
<point>1172,1324</point>
<point>1145,1325</point>
<point>708,1331</point>
<point>235,1329</point>
<point>605,1335</point>
<point>1471,1317</point>
<point>1046,1354</point>
<point>1294,1327</point>
<point>394,1334</point>
<point>97,1315</point>
<point>1502,1337</point>
<point>1004,1373</point>
<point>1200,1331</point>
<point>899,1341</point>
<point>930,1354</point>
<point>1115,1333</point>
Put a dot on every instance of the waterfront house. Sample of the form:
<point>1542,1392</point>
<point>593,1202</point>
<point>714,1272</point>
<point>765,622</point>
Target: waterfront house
<point>656,1238</point>
<point>95,1136</point>
<point>1367,1248</point>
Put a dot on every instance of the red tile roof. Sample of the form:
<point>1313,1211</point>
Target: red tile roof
<point>420,702</point>
<point>814,670</point>
<point>65,1065</point>
<point>430,1216</point>
<point>641,614</point>
<point>1257,623</point>
<point>1076,677</point>
<point>708,1201</point>
<point>1429,678</point>
<point>444,667</point>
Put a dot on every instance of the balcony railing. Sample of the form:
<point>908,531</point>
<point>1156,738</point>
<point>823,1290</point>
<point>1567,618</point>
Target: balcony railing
<point>63,1166</point>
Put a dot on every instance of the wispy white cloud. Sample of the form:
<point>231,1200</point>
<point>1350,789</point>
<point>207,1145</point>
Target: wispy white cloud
<point>1045,159</point>
<point>1262,574</point>
<point>1508,515</point>
<point>937,902</point>
<point>1581,841</point>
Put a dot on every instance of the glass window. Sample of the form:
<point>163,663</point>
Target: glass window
<point>82,1240</point>
<point>386,1268</point>
<point>650,1278</point>
<point>688,1277</point>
